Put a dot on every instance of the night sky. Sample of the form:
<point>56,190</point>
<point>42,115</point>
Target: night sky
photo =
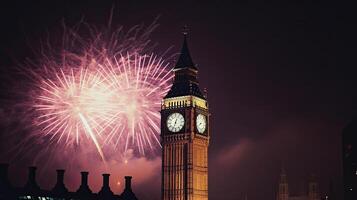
<point>277,95</point>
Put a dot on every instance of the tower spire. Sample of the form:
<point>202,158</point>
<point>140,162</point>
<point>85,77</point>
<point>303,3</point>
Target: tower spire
<point>185,30</point>
<point>282,170</point>
<point>283,188</point>
<point>185,81</point>
<point>283,178</point>
<point>185,60</point>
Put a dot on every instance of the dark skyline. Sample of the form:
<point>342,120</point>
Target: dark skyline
<point>276,92</point>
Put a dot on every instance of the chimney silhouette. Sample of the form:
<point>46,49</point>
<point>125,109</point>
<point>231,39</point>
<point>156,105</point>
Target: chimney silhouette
<point>128,194</point>
<point>31,184</point>
<point>105,192</point>
<point>4,178</point>
<point>106,180</point>
<point>60,188</point>
<point>128,182</point>
<point>6,191</point>
<point>84,178</point>
<point>84,188</point>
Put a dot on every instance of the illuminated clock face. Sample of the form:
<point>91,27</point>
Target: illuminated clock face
<point>175,122</point>
<point>201,123</point>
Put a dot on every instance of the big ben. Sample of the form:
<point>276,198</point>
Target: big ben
<point>185,134</point>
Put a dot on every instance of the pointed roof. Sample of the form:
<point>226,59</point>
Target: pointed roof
<point>283,178</point>
<point>185,82</point>
<point>282,170</point>
<point>185,60</point>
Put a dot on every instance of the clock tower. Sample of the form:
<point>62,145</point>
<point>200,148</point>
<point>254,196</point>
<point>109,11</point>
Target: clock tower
<point>185,134</point>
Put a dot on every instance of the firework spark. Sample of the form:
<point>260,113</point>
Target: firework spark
<point>139,84</point>
<point>68,106</point>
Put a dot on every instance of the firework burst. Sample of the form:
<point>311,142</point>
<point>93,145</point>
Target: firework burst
<point>71,106</point>
<point>139,84</point>
<point>100,93</point>
<point>115,103</point>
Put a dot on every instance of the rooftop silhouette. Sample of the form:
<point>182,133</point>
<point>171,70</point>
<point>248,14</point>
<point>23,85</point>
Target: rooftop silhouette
<point>31,190</point>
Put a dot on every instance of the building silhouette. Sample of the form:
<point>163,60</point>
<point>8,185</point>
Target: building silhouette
<point>31,190</point>
<point>283,192</point>
<point>283,188</point>
<point>185,134</point>
<point>349,145</point>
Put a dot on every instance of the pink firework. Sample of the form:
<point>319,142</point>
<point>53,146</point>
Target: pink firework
<point>102,93</point>
<point>139,83</point>
<point>71,106</point>
<point>116,104</point>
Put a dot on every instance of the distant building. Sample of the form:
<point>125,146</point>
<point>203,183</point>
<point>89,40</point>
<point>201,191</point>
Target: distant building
<point>284,194</point>
<point>349,143</point>
<point>32,190</point>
